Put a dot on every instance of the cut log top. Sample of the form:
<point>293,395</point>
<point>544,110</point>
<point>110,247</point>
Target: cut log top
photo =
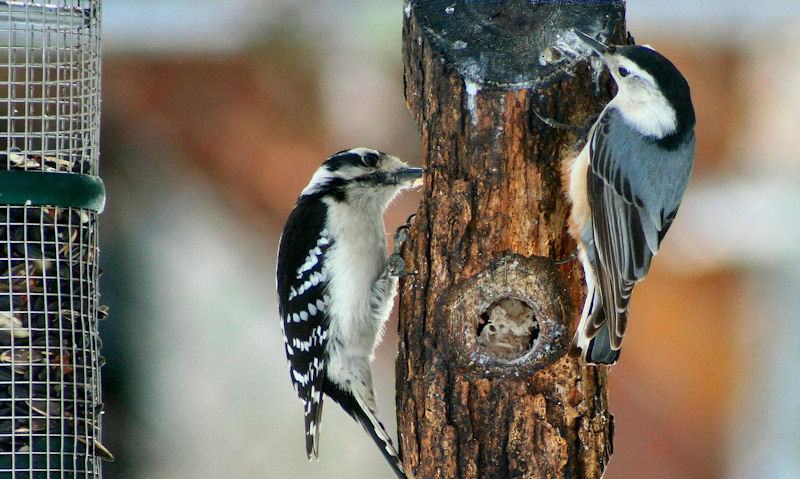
<point>509,44</point>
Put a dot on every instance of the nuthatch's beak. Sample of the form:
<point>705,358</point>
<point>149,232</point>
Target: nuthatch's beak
<point>592,43</point>
<point>408,175</point>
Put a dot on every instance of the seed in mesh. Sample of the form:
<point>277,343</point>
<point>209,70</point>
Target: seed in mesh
<point>99,449</point>
<point>10,324</point>
<point>47,323</point>
<point>20,161</point>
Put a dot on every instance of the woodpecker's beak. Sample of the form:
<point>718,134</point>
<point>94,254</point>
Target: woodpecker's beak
<point>408,175</point>
<point>598,47</point>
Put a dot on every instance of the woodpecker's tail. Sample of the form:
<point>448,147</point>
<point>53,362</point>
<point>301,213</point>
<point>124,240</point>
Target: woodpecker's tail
<point>366,415</point>
<point>592,338</point>
<point>313,415</point>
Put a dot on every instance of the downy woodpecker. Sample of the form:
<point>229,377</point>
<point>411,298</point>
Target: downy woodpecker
<point>336,287</point>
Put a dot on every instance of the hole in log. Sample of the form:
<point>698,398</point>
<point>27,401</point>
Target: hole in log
<point>507,329</point>
<point>512,318</point>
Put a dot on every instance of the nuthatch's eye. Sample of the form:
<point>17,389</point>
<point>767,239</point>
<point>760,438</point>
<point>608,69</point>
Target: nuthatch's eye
<point>623,72</point>
<point>370,159</point>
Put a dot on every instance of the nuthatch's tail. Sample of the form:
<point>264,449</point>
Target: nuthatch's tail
<point>592,338</point>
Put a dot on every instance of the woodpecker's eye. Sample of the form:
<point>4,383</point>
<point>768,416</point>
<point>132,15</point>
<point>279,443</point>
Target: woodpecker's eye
<point>623,72</point>
<point>370,160</point>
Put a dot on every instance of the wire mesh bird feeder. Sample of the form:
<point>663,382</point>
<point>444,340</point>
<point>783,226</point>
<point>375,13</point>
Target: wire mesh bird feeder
<point>50,195</point>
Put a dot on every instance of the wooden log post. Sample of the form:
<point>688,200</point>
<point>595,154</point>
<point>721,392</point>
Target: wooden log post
<point>485,387</point>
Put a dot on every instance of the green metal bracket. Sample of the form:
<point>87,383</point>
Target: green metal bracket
<point>39,188</point>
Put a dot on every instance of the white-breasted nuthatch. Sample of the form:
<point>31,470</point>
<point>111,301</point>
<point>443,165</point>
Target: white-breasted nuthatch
<point>625,187</point>
<point>336,287</point>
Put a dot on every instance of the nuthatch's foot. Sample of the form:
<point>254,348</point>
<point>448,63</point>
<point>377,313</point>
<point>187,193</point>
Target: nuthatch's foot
<point>397,265</point>
<point>580,130</point>
<point>569,258</point>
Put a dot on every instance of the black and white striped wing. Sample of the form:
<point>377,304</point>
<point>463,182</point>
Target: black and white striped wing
<point>635,188</point>
<point>303,310</point>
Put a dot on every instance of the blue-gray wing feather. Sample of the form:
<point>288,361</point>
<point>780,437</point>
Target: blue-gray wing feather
<point>635,189</point>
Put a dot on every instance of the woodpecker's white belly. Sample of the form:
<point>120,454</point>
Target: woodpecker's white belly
<point>354,262</point>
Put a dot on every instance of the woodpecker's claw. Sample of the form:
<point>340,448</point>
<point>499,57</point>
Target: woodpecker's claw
<point>396,264</point>
<point>401,235</point>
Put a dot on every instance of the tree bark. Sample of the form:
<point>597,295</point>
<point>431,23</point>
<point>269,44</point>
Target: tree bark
<point>485,387</point>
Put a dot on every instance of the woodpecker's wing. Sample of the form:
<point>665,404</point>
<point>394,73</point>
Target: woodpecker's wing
<point>302,307</point>
<point>635,187</point>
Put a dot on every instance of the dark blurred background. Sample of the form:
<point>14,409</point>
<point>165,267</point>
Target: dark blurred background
<point>215,115</point>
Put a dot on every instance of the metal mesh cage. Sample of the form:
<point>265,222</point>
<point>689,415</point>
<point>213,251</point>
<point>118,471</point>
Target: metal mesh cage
<point>50,397</point>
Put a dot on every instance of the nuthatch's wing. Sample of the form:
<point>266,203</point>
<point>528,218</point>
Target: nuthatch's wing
<point>301,304</point>
<point>635,188</point>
